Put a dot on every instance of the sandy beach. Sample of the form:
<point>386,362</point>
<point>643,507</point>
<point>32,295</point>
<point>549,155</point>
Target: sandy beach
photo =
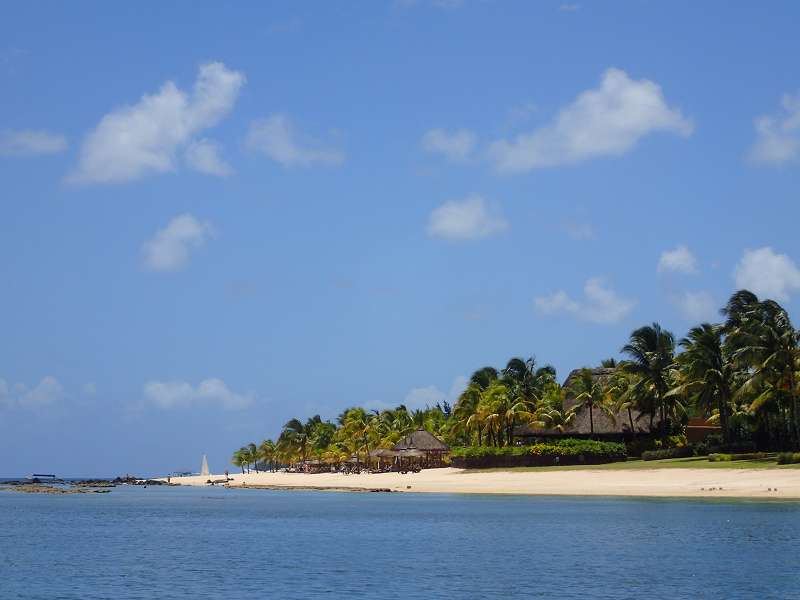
<point>695,483</point>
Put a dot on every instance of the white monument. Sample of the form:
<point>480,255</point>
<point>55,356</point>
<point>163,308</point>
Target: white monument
<point>204,467</point>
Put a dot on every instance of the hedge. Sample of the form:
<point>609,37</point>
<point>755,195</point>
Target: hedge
<point>788,458</point>
<point>719,457</point>
<point>682,452</point>
<point>563,452</point>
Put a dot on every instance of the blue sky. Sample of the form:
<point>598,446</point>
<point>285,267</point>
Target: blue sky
<point>218,218</point>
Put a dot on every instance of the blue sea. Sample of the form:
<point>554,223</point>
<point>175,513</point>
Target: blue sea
<point>240,544</point>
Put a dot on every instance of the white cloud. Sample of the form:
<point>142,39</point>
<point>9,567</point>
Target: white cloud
<point>277,138</point>
<point>424,396</point>
<point>89,389</point>
<point>137,140</point>
<point>767,274</point>
<point>180,394</point>
<point>696,306</point>
<point>467,219</point>
<point>678,260</point>
<point>170,248</point>
<point>569,7</point>
<point>31,143</point>
<point>203,155</point>
<point>456,146</point>
<point>778,136</point>
<point>601,304</point>
<point>47,392</point>
<point>419,398</point>
<point>606,121</point>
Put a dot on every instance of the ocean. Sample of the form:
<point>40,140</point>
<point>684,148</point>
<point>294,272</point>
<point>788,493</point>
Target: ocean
<point>175,543</point>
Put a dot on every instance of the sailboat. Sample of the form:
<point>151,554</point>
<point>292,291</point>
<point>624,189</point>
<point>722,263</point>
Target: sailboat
<point>204,467</point>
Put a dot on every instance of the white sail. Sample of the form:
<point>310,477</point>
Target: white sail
<point>204,467</point>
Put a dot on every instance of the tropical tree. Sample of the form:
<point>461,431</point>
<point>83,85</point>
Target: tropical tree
<point>763,343</point>
<point>267,453</point>
<point>240,459</point>
<point>590,394</point>
<point>621,396</point>
<point>705,376</point>
<point>651,352</point>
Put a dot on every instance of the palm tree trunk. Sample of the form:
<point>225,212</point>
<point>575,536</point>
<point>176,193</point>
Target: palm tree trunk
<point>591,422</point>
<point>630,418</point>
<point>723,418</point>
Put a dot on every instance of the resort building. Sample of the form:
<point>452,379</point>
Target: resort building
<point>423,445</point>
<point>616,426</point>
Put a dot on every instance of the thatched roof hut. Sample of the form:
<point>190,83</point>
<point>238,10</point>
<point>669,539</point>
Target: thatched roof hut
<point>422,444</point>
<point>422,440</point>
<point>604,425</point>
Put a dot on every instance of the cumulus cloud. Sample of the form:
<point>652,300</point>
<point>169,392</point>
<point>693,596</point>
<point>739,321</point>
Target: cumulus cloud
<point>46,393</point>
<point>31,143</point>
<point>134,141</point>
<point>696,306</point>
<point>170,248</point>
<point>778,136</point>
<point>277,138</point>
<point>422,397</point>
<point>468,219</point>
<point>456,146</point>
<point>768,274</point>
<point>203,156</point>
<point>678,260</point>
<point>600,304</point>
<point>605,121</point>
<point>169,395</point>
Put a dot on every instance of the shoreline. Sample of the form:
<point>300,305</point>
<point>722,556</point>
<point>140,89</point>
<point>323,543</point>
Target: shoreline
<point>760,484</point>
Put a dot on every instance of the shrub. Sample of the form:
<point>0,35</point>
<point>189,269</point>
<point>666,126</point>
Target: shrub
<point>718,457</point>
<point>700,449</point>
<point>488,451</point>
<point>561,452</point>
<point>788,458</point>
<point>681,452</point>
<point>676,441</point>
<point>732,448</point>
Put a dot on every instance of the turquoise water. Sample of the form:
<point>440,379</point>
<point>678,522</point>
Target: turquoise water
<point>204,543</point>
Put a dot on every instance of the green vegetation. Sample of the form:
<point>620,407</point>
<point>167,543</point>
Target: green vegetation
<point>742,374</point>
<point>720,457</point>
<point>789,458</point>
<point>678,452</point>
<point>561,448</point>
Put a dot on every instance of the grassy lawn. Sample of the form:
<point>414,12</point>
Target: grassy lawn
<point>694,462</point>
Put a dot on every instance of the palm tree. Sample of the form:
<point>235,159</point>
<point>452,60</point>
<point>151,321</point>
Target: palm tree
<point>240,459</point>
<point>526,381</point>
<point>465,412</point>
<point>296,435</point>
<point>590,394</point>
<point>620,394</point>
<point>705,374</point>
<point>652,356</point>
<point>266,453</point>
<point>764,345</point>
<point>554,418</point>
<point>484,377</point>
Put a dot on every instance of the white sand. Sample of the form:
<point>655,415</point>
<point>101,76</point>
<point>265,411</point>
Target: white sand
<point>713,483</point>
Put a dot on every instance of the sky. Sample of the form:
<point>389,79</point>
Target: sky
<point>215,218</point>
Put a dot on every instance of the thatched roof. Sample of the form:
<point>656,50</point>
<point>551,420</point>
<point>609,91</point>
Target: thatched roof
<point>383,453</point>
<point>422,440</point>
<point>603,423</point>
